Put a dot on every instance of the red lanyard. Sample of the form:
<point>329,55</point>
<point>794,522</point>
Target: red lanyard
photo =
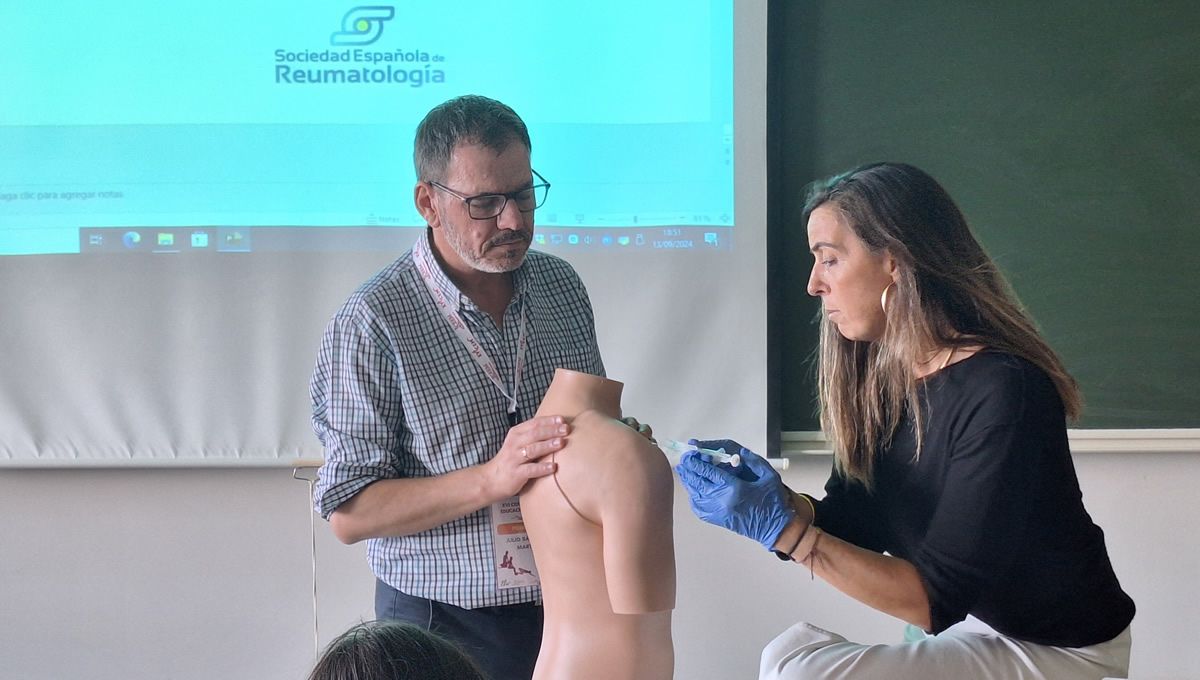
<point>468,339</point>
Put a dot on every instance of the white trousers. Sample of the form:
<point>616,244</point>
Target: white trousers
<point>969,650</point>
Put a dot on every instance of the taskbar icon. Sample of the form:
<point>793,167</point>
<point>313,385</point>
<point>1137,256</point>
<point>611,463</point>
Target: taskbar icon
<point>142,239</point>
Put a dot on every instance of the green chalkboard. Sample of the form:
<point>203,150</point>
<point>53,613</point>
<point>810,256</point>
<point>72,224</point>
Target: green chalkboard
<point>1069,133</point>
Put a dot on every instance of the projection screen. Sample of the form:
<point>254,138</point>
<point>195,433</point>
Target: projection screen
<point>188,192</point>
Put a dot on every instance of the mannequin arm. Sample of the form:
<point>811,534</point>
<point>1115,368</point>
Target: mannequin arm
<point>637,519</point>
<point>625,486</point>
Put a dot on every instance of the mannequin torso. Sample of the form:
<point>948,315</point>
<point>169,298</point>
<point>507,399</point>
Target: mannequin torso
<point>601,531</point>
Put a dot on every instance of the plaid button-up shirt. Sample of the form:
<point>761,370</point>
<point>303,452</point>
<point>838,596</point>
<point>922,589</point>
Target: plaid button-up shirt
<point>396,395</point>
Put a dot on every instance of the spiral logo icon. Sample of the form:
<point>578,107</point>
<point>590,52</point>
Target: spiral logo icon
<point>362,25</point>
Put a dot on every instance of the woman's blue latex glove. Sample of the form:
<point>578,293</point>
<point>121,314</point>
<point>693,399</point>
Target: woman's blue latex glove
<point>757,509</point>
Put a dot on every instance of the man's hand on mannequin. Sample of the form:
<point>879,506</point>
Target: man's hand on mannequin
<point>520,458</point>
<point>641,428</point>
<point>405,506</point>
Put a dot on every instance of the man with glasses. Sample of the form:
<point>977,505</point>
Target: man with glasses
<point>426,384</point>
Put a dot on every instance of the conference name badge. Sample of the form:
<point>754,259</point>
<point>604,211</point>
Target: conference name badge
<point>510,546</point>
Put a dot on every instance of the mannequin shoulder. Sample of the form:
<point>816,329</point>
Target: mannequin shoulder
<point>607,443</point>
<point>609,471</point>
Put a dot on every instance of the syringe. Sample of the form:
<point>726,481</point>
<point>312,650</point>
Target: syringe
<point>718,455</point>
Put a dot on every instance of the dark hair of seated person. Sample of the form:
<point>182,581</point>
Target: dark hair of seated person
<point>393,650</point>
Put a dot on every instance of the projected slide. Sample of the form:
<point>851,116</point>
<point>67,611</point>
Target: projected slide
<point>147,127</point>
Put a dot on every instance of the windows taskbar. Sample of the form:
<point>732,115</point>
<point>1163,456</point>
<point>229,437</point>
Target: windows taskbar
<point>197,240</point>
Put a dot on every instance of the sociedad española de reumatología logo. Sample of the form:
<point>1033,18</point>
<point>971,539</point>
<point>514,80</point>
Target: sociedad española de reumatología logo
<point>362,25</point>
<point>352,56</point>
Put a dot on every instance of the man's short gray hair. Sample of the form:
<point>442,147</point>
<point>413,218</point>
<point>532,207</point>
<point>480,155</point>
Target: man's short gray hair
<point>472,119</point>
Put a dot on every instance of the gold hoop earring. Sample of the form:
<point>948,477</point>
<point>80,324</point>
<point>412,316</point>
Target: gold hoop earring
<point>884,297</point>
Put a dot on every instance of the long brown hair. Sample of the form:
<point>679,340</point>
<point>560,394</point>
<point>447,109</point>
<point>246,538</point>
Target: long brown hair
<point>948,292</point>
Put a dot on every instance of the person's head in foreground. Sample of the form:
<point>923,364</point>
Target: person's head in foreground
<point>393,650</point>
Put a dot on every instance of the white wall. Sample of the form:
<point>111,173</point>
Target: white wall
<point>206,575</point>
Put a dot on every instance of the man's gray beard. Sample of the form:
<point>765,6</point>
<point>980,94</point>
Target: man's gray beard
<point>483,265</point>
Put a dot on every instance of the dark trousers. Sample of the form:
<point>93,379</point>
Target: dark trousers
<point>504,641</point>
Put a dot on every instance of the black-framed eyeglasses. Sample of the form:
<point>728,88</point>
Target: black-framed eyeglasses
<point>487,206</point>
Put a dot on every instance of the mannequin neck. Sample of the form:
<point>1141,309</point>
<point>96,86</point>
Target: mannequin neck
<point>572,393</point>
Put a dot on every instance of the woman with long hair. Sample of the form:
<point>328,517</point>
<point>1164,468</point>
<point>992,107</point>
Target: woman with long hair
<point>953,503</point>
